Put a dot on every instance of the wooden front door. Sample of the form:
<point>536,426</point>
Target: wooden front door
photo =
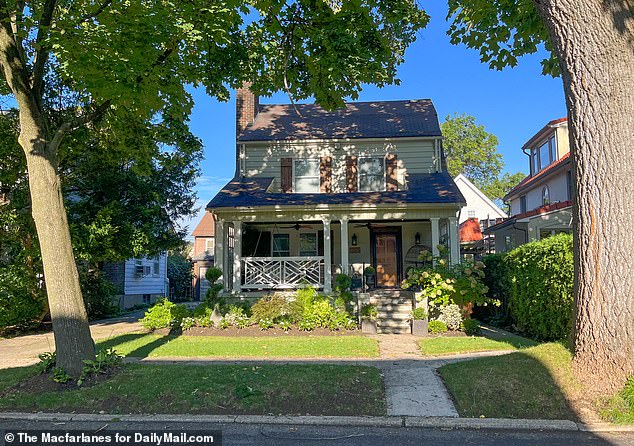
<point>386,257</point>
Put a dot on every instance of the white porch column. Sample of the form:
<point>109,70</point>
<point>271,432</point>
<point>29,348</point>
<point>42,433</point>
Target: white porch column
<point>237,256</point>
<point>454,243</point>
<point>435,236</point>
<point>219,250</point>
<point>327,258</point>
<point>344,247</point>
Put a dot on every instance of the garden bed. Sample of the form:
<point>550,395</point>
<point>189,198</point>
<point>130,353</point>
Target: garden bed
<point>255,331</point>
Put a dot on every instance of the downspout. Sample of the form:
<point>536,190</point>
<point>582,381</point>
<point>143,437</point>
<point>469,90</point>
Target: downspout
<point>525,231</point>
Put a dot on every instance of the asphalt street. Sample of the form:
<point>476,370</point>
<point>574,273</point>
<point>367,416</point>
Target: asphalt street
<point>289,435</point>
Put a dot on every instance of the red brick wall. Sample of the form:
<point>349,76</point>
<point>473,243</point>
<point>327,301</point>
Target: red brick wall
<point>247,106</point>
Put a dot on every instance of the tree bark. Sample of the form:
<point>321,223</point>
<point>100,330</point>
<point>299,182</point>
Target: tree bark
<point>594,41</point>
<point>70,322</point>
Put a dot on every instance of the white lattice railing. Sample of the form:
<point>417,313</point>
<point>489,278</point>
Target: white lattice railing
<point>282,272</point>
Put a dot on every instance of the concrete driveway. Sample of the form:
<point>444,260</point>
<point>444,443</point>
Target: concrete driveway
<point>23,350</point>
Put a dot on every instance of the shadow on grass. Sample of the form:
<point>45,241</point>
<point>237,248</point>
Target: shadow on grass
<point>137,347</point>
<point>535,383</point>
<point>516,341</point>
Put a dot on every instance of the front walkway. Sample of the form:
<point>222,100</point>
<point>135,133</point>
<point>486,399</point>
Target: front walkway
<point>23,350</point>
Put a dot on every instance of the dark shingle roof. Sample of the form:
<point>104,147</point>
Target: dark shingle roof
<point>383,119</point>
<point>433,188</point>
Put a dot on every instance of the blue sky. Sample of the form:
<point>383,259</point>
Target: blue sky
<point>512,104</point>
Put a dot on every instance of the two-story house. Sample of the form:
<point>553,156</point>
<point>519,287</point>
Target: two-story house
<point>319,192</point>
<point>202,254</point>
<point>541,204</point>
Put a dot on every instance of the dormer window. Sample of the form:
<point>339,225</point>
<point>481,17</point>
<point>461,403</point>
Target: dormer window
<point>371,174</point>
<point>544,155</point>
<point>306,176</point>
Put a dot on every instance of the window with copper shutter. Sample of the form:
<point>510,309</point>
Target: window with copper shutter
<point>286,175</point>
<point>351,173</point>
<point>391,172</point>
<point>325,173</point>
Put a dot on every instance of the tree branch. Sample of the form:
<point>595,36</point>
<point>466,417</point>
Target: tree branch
<point>41,52</point>
<point>98,11</point>
<point>76,123</point>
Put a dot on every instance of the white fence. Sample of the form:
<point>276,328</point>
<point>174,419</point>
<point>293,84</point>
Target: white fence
<point>282,272</point>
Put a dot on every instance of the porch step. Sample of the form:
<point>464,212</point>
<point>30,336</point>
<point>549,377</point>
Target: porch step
<point>394,330</point>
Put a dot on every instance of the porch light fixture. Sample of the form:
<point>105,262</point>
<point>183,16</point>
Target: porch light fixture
<point>354,240</point>
<point>417,238</point>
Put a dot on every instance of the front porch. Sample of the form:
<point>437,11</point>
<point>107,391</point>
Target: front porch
<point>284,253</point>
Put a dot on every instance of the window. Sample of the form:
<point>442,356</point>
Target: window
<point>508,242</point>
<point>545,196</point>
<point>544,155</point>
<point>306,175</point>
<point>281,245</point>
<point>209,244</point>
<point>308,244</point>
<point>147,298</point>
<point>471,214</point>
<point>371,174</point>
<point>534,162</point>
<point>522,204</point>
<point>156,267</point>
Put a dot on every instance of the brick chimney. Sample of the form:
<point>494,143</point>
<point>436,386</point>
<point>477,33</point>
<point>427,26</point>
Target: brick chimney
<point>247,107</point>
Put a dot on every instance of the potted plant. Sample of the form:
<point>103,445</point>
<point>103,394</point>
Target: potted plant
<point>419,322</point>
<point>369,315</point>
<point>369,273</point>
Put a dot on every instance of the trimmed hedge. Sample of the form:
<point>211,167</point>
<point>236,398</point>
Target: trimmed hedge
<point>540,280</point>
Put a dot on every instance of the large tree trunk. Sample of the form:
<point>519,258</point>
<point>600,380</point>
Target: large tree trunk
<point>70,323</point>
<point>594,41</point>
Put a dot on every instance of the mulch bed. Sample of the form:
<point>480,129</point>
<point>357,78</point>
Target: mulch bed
<point>255,331</point>
<point>44,383</point>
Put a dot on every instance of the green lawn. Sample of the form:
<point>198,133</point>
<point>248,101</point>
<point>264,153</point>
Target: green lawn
<point>620,408</point>
<point>149,345</point>
<point>216,389</point>
<point>535,382</point>
<point>446,345</point>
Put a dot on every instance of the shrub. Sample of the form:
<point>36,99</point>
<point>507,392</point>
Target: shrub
<point>164,314</point>
<point>419,313</point>
<point>47,362</point>
<point>451,315</point>
<point>306,325</point>
<point>437,327</point>
<point>60,376</point>
<point>369,311</point>
<point>343,283</point>
<point>187,323</point>
<point>22,300</point>
<point>442,284</point>
<point>273,307</point>
<point>265,324</point>
<point>98,293</point>
<point>285,325</point>
<point>236,316</point>
<point>180,275</point>
<point>541,287</point>
<point>470,326</point>
<point>212,298</point>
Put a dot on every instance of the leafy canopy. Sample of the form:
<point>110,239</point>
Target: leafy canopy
<point>501,30</point>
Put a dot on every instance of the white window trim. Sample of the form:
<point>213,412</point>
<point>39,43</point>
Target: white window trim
<point>535,152</point>
<point>547,189</point>
<point>359,173</point>
<point>299,249</point>
<point>318,175</point>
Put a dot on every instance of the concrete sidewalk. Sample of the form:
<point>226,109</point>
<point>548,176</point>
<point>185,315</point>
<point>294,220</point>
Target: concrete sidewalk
<point>23,350</point>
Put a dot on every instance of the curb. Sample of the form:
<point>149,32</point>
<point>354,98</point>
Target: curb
<point>387,421</point>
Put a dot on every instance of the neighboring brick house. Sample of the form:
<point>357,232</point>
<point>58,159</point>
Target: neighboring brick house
<point>320,192</point>
<point>541,204</point>
<point>203,254</point>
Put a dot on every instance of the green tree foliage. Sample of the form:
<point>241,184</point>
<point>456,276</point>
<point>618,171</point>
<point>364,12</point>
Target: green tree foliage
<point>501,31</point>
<point>473,152</point>
<point>180,275</point>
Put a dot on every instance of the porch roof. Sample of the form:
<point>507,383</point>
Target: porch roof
<point>433,188</point>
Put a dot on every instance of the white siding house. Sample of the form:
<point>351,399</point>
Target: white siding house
<point>140,280</point>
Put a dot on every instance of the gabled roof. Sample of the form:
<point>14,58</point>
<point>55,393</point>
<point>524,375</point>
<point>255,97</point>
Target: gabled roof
<point>463,179</point>
<point>547,171</point>
<point>381,119</point>
<point>470,230</point>
<point>432,188</point>
<point>206,227</point>
<point>532,213</point>
<point>537,136</point>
